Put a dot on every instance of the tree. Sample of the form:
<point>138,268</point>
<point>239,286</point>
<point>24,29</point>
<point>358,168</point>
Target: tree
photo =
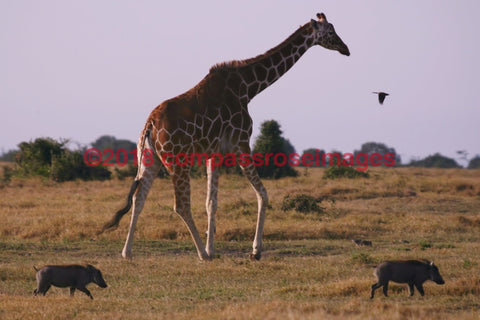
<point>378,148</point>
<point>110,142</point>
<point>474,163</point>
<point>274,149</point>
<point>313,158</point>
<point>8,156</point>
<point>435,161</point>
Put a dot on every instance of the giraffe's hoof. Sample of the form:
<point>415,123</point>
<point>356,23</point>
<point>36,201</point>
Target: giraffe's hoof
<point>255,256</point>
<point>210,254</point>
<point>205,257</point>
<point>127,255</point>
<point>214,256</point>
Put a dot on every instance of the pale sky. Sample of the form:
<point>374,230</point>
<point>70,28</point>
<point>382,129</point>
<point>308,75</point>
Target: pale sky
<point>82,69</point>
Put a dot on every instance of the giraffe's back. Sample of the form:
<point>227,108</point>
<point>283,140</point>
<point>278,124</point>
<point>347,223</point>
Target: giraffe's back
<point>203,119</point>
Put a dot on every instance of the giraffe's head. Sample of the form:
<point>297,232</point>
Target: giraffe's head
<point>325,35</point>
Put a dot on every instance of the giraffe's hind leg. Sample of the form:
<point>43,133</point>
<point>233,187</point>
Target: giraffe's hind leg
<point>181,185</point>
<point>211,204</point>
<point>262,199</point>
<point>146,175</point>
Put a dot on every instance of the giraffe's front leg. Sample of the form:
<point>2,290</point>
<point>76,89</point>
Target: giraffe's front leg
<point>262,200</point>
<point>211,204</point>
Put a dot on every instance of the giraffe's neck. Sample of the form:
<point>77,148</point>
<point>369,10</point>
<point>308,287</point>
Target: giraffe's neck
<point>250,77</point>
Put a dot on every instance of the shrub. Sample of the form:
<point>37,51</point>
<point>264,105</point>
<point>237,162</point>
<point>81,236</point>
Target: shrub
<point>71,165</point>
<point>336,172</point>
<point>362,258</point>
<point>7,175</point>
<point>302,203</point>
<point>35,158</point>
<point>128,171</point>
<point>424,244</point>
<point>49,158</point>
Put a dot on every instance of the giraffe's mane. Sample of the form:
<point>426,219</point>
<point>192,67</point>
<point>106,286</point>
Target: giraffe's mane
<point>240,63</point>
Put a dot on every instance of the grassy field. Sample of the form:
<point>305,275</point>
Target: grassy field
<point>310,269</point>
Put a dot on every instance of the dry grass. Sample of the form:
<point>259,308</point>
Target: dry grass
<point>309,270</point>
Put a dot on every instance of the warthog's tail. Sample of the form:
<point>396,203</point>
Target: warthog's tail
<point>35,268</point>
<point>120,213</point>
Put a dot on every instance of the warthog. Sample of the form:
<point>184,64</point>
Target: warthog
<point>73,276</point>
<point>413,272</point>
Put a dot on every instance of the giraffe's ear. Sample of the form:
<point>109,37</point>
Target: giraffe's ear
<point>314,24</point>
<point>321,17</point>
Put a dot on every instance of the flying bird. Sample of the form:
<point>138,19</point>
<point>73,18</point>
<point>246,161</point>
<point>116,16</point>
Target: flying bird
<point>381,96</point>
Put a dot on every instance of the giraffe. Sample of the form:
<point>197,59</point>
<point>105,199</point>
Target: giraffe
<point>212,118</point>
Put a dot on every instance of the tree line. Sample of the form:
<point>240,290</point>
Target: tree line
<point>52,159</point>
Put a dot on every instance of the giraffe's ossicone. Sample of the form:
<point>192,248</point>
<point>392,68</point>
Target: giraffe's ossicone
<point>212,118</point>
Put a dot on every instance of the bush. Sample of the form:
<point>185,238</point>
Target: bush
<point>302,203</point>
<point>130,171</point>
<point>362,258</point>
<point>7,175</point>
<point>336,172</point>
<point>424,244</point>
<point>35,158</point>
<point>126,172</point>
<point>48,158</point>
<point>71,165</point>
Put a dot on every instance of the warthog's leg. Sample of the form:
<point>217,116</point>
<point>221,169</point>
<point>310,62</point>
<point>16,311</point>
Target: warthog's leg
<point>86,292</point>
<point>420,288</point>
<point>41,290</point>
<point>410,288</point>
<point>374,287</point>
<point>385,289</point>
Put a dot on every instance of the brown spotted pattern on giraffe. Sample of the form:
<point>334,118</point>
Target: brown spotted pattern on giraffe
<point>275,59</point>
<point>260,72</point>
<point>234,81</point>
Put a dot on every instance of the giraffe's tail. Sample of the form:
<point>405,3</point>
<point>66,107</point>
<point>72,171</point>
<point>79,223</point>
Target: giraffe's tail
<point>113,223</point>
<point>120,213</point>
